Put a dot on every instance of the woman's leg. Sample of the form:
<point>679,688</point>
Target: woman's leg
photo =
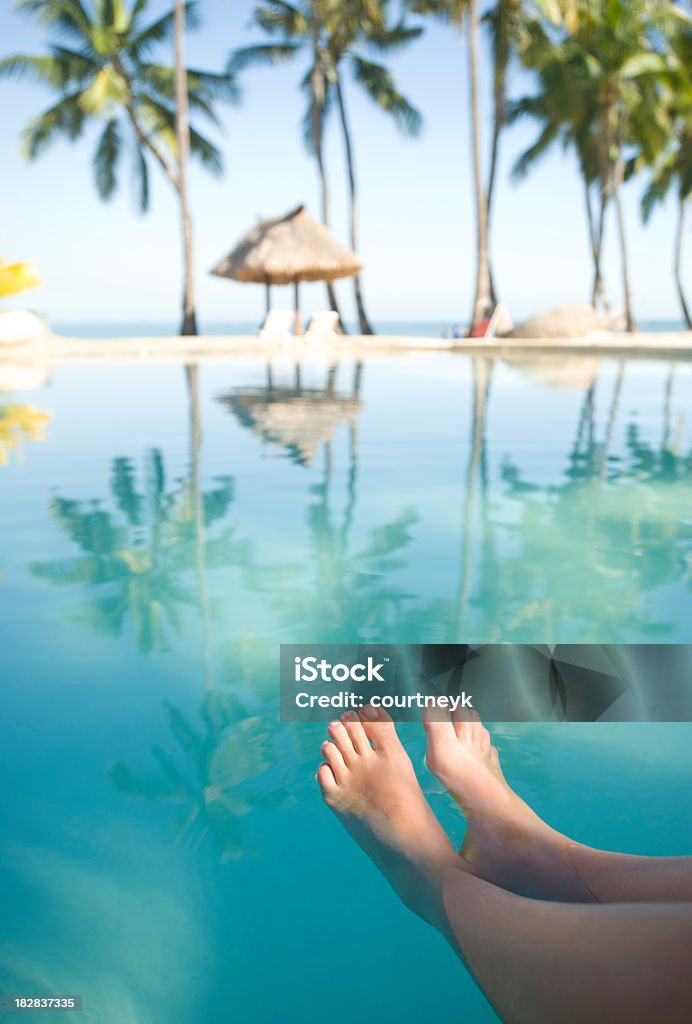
<point>509,845</point>
<point>368,780</point>
<point>538,962</point>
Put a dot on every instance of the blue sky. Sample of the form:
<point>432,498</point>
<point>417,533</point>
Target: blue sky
<point>101,262</point>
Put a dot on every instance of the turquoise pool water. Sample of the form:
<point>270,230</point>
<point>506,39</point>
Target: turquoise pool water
<point>164,849</point>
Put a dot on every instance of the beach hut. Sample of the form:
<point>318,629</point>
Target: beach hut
<point>288,250</point>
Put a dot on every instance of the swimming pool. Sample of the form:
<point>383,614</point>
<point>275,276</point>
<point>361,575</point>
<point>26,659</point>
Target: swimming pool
<point>165,851</point>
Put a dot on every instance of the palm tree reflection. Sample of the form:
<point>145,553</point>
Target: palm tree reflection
<point>226,765</point>
<point>581,552</point>
<point>586,554</point>
<point>137,557</point>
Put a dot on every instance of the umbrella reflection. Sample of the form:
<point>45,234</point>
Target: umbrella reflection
<point>294,417</point>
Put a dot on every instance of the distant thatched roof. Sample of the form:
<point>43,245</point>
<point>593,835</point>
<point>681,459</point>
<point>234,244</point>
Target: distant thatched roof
<point>563,322</point>
<point>297,420</point>
<point>286,249</point>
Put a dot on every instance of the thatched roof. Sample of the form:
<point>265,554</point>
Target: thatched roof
<point>297,420</point>
<point>287,249</point>
<point>563,322</point>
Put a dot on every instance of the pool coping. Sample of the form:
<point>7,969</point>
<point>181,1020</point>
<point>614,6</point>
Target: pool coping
<point>58,349</point>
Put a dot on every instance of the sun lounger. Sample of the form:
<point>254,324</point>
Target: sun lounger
<point>323,326</point>
<point>277,325</point>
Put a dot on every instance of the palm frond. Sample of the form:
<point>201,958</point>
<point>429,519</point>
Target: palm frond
<point>393,39</point>
<point>68,18</point>
<point>61,69</point>
<point>106,160</point>
<point>206,152</point>
<point>261,55</point>
<point>65,117</point>
<point>380,85</point>
<point>158,119</point>
<point>200,84</point>
<point>449,12</point>
<point>161,30</point>
<point>106,91</point>
<point>276,17</point>
<point>537,150</point>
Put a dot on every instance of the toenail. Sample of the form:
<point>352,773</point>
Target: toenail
<point>370,712</point>
<point>333,725</point>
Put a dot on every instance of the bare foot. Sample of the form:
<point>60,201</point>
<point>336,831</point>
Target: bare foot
<point>506,843</point>
<point>368,780</point>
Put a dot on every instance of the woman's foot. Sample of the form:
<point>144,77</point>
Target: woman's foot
<point>506,843</point>
<point>368,780</point>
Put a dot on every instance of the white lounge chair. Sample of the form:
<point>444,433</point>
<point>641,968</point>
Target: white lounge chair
<point>323,326</point>
<point>277,325</point>
<point>501,321</point>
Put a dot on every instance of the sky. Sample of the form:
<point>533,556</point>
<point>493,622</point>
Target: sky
<point>104,263</point>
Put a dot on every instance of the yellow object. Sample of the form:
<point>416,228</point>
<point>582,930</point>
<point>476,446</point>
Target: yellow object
<point>20,423</point>
<point>16,277</point>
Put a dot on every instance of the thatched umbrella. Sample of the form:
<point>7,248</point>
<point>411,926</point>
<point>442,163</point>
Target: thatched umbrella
<point>288,250</point>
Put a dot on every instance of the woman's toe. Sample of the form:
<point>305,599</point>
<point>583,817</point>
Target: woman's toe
<point>335,759</point>
<point>339,735</point>
<point>379,728</point>
<point>355,730</point>
<point>327,782</point>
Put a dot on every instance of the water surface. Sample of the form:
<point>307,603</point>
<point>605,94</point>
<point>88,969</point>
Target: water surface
<point>165,851</point>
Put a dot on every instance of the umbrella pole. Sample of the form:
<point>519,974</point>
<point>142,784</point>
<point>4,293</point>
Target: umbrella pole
<point>268,299</point>
<point>296,297</point>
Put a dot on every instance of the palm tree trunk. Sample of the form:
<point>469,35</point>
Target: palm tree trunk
<point>483,290</point>
<point>679,233</point>
<point>318,89</point>
<point>624,256</point>
<point>182,133</point>
<point>596,232</point>
<point>499,121</point>
<point>363,321</point>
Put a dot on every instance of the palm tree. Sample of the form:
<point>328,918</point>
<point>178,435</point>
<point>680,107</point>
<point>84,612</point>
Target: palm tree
<point>674,165</point>
<point>505,22</point>
<point>182,138</point>
<point>100,66</point>
<point>567,117</point>
<point>458,13</point>
<point>337,37</point>
<point>602,93</point>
